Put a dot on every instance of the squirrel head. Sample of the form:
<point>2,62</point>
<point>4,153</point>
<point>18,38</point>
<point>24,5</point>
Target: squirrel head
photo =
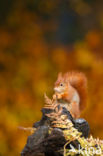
<point>72,81</point>
<point>62,83</point>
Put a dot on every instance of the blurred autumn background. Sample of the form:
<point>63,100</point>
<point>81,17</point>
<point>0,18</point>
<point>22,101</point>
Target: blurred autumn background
<point>38,39</point>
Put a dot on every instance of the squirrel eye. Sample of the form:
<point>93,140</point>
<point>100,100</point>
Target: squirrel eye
<point>61,84</point>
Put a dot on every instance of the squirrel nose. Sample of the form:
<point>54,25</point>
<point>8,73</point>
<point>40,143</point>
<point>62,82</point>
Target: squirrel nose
<point>56,89</point>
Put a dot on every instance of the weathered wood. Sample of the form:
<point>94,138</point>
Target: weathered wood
<point>42,143</point>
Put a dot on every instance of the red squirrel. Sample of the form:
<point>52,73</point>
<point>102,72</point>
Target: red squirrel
<point>71,91</point>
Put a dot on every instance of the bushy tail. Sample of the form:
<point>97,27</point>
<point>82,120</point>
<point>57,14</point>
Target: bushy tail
<point>79,82</point>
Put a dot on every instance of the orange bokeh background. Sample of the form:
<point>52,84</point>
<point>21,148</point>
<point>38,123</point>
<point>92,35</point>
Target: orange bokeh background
<point>38,39</point>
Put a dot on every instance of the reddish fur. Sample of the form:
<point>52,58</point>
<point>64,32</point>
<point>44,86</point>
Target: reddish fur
<point>78,81</point>
<point>75,111</point>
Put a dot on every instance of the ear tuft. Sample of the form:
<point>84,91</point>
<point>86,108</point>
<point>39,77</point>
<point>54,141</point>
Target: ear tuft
<point>59,79</point>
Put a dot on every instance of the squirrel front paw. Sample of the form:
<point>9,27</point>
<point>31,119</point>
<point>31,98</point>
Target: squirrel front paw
<point>57,96</point>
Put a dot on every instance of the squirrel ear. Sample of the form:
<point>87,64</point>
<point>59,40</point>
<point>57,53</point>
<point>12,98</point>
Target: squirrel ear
<point>60,76</point>
<point>59,79</point>
<point>65,76</point>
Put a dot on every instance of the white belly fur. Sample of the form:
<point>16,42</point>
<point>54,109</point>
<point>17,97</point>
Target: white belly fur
<point>67,105</point>
<point>76,97</point>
